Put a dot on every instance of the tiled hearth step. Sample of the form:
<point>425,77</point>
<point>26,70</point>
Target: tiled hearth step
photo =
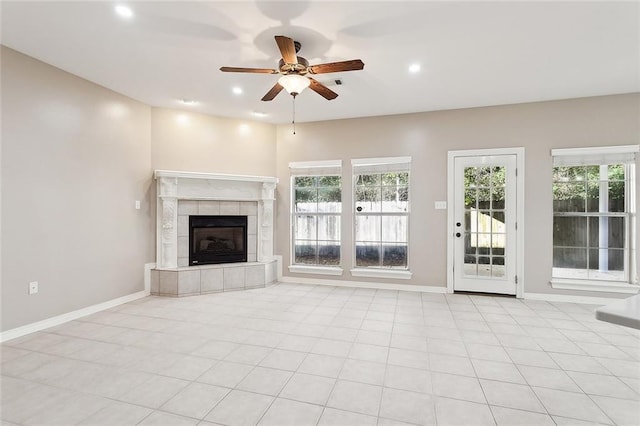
<point>204,279</point>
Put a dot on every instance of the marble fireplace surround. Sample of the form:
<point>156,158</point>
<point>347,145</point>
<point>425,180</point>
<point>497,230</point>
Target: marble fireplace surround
<point>182,193</point>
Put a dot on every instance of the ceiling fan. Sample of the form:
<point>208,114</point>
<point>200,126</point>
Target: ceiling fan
<point>295,69</point>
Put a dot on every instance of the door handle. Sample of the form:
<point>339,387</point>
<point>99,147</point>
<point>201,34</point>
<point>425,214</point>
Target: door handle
<point>458,234</point>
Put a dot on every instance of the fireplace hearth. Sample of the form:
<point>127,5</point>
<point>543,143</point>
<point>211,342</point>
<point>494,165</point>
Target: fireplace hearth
<point>217,239</point>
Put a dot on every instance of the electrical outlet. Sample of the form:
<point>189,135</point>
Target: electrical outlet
<point>33,287</point>
<point>137,204</point>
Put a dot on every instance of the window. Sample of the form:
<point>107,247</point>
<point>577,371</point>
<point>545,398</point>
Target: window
<point>315,217</point>
<point>381,210</point>
<point>594,214</point>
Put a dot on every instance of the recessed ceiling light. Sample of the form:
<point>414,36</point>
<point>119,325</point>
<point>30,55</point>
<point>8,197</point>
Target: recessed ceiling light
<point>414,68</point>
<point>188,102</point>
<point>124,11</point>
<point>237,90</point>
<point>259,114</point>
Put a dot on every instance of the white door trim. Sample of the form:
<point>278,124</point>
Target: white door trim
<point>519,153</point>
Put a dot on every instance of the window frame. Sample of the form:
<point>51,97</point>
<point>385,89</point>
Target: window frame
<point>314,169</point>
<point>625,155</point>
<point>379,166</point>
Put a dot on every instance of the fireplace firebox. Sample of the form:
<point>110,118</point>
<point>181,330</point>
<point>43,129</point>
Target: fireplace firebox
<point>217,239</point>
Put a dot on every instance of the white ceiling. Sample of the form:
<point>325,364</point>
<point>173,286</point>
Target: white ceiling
<point>471,53</point>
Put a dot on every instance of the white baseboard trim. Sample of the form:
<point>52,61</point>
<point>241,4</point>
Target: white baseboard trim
<point>590,300</point>
<point>364,284</point>
<point>73,315</point>
<point>69,316</point>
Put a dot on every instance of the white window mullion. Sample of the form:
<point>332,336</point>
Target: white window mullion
<point>631,208</point>
<point>380,240</point>
<point>627,251</point>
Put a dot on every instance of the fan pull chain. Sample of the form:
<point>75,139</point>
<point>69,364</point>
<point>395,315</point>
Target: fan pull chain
<point>294,115</point>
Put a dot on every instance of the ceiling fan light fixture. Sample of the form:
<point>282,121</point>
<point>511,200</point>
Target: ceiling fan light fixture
<point>294,84</point>
<point>294,69</point>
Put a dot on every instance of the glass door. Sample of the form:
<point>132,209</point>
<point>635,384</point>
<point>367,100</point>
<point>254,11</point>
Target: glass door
<point>484,224</point>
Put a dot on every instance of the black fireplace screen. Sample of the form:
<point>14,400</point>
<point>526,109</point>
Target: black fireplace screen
<point>217,239</point>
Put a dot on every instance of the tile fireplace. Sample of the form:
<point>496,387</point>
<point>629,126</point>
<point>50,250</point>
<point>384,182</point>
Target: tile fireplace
<point>231,245</point>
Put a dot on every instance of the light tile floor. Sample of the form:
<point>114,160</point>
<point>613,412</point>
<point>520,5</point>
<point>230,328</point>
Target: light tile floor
<point>316,355</point>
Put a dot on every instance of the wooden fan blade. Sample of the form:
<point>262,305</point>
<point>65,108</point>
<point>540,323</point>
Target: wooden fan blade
<point>287,48</point>
<point>322,90</point>
<point>273,92</point>
<point>251,70</point>
<point>353,65</point>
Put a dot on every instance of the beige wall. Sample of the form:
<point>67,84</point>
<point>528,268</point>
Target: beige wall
<point>427,137</point>
<point>187,141</point>
<point>192,142</point>
<point>75,157</point>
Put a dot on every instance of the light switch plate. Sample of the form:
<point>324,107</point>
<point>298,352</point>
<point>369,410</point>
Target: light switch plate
<point>441,205</point>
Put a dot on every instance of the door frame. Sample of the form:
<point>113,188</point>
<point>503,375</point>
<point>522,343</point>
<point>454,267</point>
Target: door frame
<point>519,153</point>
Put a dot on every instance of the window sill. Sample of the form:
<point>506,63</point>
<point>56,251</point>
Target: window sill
<point>318,270</point>
<point>381,273</point>
<point>601,286</point>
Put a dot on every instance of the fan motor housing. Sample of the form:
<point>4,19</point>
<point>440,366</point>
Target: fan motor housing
<point>299,68</point>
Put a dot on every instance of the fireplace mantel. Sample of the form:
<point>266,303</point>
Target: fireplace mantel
<point>173,186</point>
